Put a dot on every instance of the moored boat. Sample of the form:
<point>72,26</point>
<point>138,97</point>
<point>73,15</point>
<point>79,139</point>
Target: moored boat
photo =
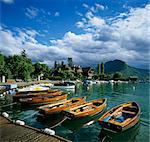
<point>42,100</point>
<point>121,118</point>
<point>60,106</point>
<point>18,96</point>
<point>86,109</point>
<point>34,88</point>
<point>64,85</point>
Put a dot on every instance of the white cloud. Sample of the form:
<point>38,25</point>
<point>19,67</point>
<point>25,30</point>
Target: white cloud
<point>96,8</point>
<point>78,13</point>
<point>97,21</point>
<point>85,5</point>
<point>57,14</point>
<point>127,39</point>
<point>80,24</point>
<point>7,1</point>
<point>31,12</point>
<point>99,6</point>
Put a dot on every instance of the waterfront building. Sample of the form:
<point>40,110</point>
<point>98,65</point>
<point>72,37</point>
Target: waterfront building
<point>88,72</point>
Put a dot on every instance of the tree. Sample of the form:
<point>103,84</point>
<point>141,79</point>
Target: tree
<point>41,69</point>
<point>23,53</point>
<point>117,75</point>
<point>98,70</point>
<point>102,68</point>
<point>4,68</point>
<point>20,66</point>
<point>55,64</point>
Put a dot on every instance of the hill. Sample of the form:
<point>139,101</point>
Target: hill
<point>126,70</point>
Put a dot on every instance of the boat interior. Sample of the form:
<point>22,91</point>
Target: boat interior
<point>122,114</point>
<point>88,106</point>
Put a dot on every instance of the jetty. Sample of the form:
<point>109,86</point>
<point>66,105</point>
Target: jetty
<point>11,132</point>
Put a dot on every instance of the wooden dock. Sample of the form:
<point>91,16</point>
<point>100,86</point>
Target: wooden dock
<point>11,132</point>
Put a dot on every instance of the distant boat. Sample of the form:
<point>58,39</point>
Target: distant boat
<point>121,118</point>
<point>87,82</point>
<point>20,95</point>
<point>64,85</point>
<point>42,100</point>
<point>86,109</point>
<point>34,88</point>
<point>60,106</point>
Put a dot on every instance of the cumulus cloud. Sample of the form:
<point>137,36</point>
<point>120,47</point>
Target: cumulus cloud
<point>127,39</point>
<point>7,1</point>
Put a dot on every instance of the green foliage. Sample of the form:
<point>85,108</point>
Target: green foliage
<point>4,70</point>
<point>117,75</point>
<point>41,69</point>
<point>98,70</point>
<point>102,68</point>
<point>20,66</point>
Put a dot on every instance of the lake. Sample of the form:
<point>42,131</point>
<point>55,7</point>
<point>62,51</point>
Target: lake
<point>87,129</point>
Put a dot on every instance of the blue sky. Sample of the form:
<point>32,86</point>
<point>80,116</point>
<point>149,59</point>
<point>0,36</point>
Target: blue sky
<point>90,31</point>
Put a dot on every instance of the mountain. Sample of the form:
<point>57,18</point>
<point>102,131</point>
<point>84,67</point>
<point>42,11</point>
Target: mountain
<point>126,70</point>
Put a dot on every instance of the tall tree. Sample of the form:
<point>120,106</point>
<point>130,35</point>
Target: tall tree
<point>98,69</point>
<point>102,68</point>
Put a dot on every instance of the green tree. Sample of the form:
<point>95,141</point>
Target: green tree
<point>4,68</point>
<point>117,75</point>
<point>41,69</point>
<point>20,66</point>
<point>98,69</point>
<point>102,69</point>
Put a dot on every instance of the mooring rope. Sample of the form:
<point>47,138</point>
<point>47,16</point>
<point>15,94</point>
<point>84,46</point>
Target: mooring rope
<point>30,115</point>
<point>65,118</point>
<point>8,104</point>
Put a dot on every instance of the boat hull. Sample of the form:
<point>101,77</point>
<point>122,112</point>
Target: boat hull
<point>88,112</point>
<point>42,100</point>
<point>129,122</point>
<point>59,107</point>
<point>39,94</point>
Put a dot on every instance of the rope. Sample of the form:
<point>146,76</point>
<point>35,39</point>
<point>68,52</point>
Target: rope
<point>29,116</point>
<point>8,105</point>
<point>65,118</point>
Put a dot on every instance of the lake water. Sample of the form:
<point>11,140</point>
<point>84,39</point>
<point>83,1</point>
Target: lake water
<point>87,129</point>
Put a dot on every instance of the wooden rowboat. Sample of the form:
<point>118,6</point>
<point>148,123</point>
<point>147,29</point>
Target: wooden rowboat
<point>121,118</point>
<point>86,109</point>
<point>18,96</point>
<point>42,100</point>
<point>60,106</point>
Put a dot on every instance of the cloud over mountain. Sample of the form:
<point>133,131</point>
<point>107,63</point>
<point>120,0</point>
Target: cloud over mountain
<point>125,37</point>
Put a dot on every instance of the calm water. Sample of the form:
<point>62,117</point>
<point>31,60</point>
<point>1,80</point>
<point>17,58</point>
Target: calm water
<point>83,131</point>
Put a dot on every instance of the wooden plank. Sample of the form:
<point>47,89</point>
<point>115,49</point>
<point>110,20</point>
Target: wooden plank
<point>10,132</point>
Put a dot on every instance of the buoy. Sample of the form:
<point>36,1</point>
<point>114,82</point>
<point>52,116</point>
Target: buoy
<point>5,114</point>
<point>20,122</point>
<point>1,95</point>
<point>49,131</point>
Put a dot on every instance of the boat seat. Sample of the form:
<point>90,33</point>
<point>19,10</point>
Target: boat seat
<point>130,112</point>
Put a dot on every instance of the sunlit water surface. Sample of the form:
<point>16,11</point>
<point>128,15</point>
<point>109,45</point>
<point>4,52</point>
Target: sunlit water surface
<point>87,129</point>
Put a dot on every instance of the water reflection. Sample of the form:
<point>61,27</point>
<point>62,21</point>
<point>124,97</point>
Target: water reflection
<point>50,120</point>
<point>126,136</point>
<point>76,124</point>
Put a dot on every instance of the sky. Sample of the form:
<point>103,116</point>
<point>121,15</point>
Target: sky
<point>89,31</point>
